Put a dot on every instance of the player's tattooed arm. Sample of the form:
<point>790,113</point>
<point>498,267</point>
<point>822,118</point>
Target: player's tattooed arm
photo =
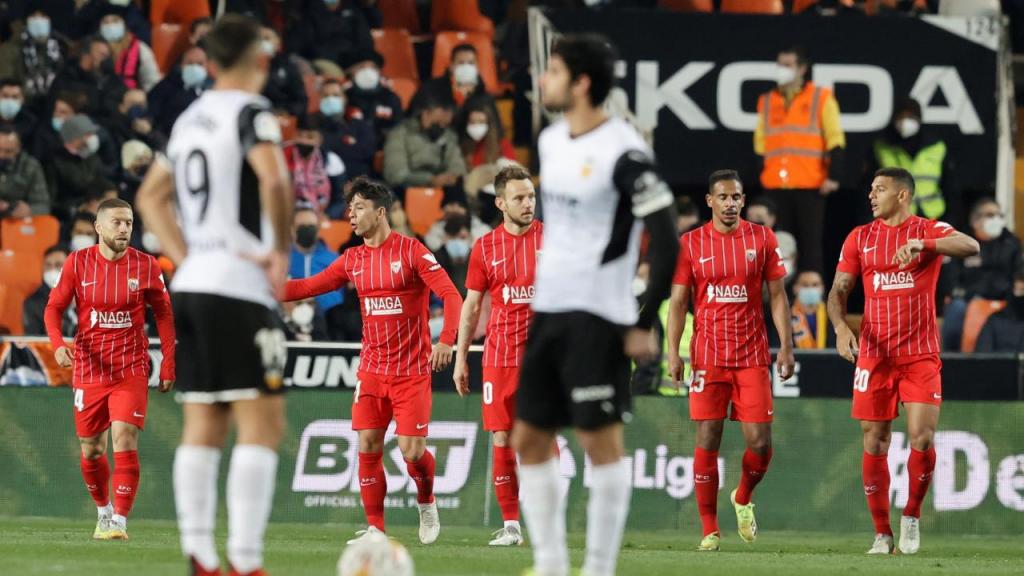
<point>846,340</point>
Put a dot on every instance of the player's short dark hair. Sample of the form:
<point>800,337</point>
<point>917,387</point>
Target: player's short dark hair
<point>112,203</point>
<point>232,36</point>
<point>799,52</point>
<point>511,172</point>
<point>590,55</point>
<point>899,175</point>
<point>723,176</point>
<point>464,47</point>
<point>56,248</point>
<point>766,203</point>
<point>199,22</point>
<point>371,190</point>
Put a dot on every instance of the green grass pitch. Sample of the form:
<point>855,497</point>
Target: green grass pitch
<point>30,546</point>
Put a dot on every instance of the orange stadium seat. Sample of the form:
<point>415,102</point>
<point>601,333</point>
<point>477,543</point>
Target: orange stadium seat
<point>752,6</point>
<point>169,42</point>
<point>687,5</point>
<point>400,14</point>
<point>335,233</point>
<point>423,208</point>
<point>801,5</point>
<point>405,88</point>
<point>20,274</point>
<point>445,41</point>
<point>177,11</point>
<point>461,15</point>
<point>978,311</point>
<point>395,45</point>
<point>312,84</point>
<point>29,235</point>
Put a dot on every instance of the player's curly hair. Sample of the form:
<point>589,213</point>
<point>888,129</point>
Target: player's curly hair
<point>371,190</point>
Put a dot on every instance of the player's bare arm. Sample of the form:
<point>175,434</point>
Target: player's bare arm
<point>846,341</point>
<point>470,317</point>
<point>957,245</point>
<point>276,197</point>
<point>679,301</point>
<point>781,318</point>
<point>155,202</point>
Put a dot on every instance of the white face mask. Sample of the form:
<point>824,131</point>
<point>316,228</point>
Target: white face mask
<point>150,242</point>
<point>368,78</point>
<point>477,131</point>
<point>51,277</point>
<point>82,241</point>
<point>112,32</point>
<point>908,127</point>
<point>92,145</point>
<point>268,47</point>
<point>784,75</point>
<point>465,74</point>
<point>993,226</point>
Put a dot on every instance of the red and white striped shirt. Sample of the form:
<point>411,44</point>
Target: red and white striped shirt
<point>726,272</point>
<point>393,281</point>
<point>899,305</point>
<point>111,297</point>
<point>505,265</point>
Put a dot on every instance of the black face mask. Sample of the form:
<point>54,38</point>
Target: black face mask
<point>106,68</point>
<point>304,149</point>
<point>435,131</point>
<point>305,235</point>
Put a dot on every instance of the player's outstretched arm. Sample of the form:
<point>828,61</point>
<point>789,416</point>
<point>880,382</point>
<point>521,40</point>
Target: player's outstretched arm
<point>155,201</point>
<point>160,302</point>
<point>781,317</point>
<point>846,340</point>
<point>678,302</point>
<point>467,327</point>
<point>330,279</point>
<point>53,316</point>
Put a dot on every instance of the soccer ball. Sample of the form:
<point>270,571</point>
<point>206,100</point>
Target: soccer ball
<point>375,555</point>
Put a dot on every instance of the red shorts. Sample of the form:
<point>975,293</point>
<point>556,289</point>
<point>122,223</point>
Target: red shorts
<point>748,389</point>
<point>96,407</point>
<point>500,385</point>
<point>380,398</point>
<point>880,384</point>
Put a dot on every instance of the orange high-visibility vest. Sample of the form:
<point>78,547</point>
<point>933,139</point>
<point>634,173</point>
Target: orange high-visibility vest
<point>794,140</point>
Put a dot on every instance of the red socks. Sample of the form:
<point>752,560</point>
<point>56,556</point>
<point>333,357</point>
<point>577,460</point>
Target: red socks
<point>422,472</point>
<point>754,467</point>
<point>875,470</point>
<point>506,482</point>
<point>373,487</point>
<point>126,481</point>
<point>96,474</point>
<point>920,467</point>
<point>705,482</point>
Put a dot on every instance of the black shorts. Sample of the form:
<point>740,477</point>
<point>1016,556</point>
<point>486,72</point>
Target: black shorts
<point>228,349</point>
<point>575,373</point>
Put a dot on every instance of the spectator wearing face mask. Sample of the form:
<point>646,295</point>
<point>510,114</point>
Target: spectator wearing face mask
<point>369,96</point>
<point>34,57</point>
<point>90,15</point>
<point>310,257</point>
<point>763,211</point>
<point>990,275</point>
<point>136,156</point>
<point>284,88</point>
<point>481,136</point>
<point>82,232</point>
<point>453,255</point>
<point>133,121</point>
<point>809,317</point>
<point>34,307</point>
<point>435,237</point>
<point>134,61</point>
<point>348,136</point>
<point>423,150</point>
<point>22,183</point>
<point>75,173</point>
<point>317,174</point>
<point>462,78</point>
<point>179,89</point>
<point>47,136</point>
<point>91,72</point>
<point>13,113</point>
<point>329,32</point>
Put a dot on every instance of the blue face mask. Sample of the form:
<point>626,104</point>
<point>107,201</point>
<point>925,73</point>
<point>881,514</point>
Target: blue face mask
<point>332,105</point>
<point>193,75</point>
<point>9,108</point>
<point>457,248</point>
<point>809,296</point>
<point>136,112</point>
<point>57,124</point>
<point>38,28</point>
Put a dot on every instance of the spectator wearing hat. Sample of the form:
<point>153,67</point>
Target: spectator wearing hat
<point>22,184</point>
<point>13,112</point>
<point>369,96</point>
<point>179,89</point>
<point>34,57</point>
<point>91,72</point>
<point>134,61</point>
<point>344,132</point>
<point>75,173</point>
<point>317,174</point>
<point>330,31</point>
<point>284,88</point>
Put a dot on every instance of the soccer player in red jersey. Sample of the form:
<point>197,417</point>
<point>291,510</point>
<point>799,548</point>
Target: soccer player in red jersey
<point>393,275</point>
<point>899,256</point>
<point>503,262</point>
<point>724,264</point>
<point>111,285</point>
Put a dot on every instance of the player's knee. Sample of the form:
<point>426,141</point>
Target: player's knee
<point>922,439</point>
<point>760,444</point>
<point>92,448</point>
<point>413,452</point>
<point>126,438</point>
<point>876,442</point>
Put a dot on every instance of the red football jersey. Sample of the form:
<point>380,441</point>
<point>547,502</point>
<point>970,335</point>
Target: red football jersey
<point>899,305</point>
<point>111,298</point>
<point>504,265</point>
<point>393,281</point>
<point>725,273</point>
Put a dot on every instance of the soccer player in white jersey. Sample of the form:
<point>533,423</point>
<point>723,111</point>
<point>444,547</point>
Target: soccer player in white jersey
<point>600,189</point>
<point>227,177</point>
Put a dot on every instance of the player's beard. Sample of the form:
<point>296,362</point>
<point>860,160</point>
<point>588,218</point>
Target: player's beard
<point>115,245</point>
<point>521,221</point>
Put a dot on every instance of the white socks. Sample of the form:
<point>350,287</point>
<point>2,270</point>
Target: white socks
<point>544,513</point>
<point>607,509</point>
<point>195,497</point>
<point>250,493</point>
<point>104,511</point>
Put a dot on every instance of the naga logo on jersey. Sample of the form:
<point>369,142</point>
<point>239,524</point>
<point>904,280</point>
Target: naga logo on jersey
<point>893,280</point>
<point>517,294</point>
<point>133,284</point>
<point>119,319</point>
<point>383,306</point>
<point>727,293</point>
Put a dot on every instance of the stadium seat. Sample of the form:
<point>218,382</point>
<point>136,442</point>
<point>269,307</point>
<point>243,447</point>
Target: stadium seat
<point>978,311</point>
<point>445,41</point>
<point>169,42</point>
<point>400,14</point>
<point>20,274</point>
<point>688,5</point>
<point>177,11</point>
<point>423,208</point>
<point>752,6</point>
<point>312,85</point>
<point>405,88</point>
<point>29,235</point>
<point>460,15</point>
<point>335,233</point>
<point>395,45</point>
<point>801,5</point>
